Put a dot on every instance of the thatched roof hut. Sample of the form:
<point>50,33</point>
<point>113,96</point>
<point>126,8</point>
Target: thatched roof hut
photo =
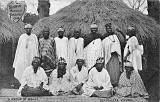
<point>81,13</point>
<point>9,34</point>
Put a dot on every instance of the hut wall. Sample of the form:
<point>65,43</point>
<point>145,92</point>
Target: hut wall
<point>6,60</point>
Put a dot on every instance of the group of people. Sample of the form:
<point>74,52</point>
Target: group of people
<point>89,66</point>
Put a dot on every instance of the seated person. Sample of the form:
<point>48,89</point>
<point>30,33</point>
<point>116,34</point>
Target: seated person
<point>34,80</point>
<point>130,83</point>
<point>98,84</point>
<point>60,83</point>
<point>79,75</point>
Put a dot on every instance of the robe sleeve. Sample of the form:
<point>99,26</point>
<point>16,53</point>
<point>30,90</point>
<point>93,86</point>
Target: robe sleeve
<point>73,72</point>
<point>44,79</point>
<point>107,84</point>
<point>90,79</point>
<point>133,44</point>
<point>54,48</point>
<point>85,75</point>
<point>53,77</point>
<point>24,79</point>
<point>17,51</point>
<point>37,45</point>
<point>40,47</point>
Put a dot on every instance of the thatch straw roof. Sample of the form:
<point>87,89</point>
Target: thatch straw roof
<point>10,31</point>
<point>9,34</point>
<point>81,13</point>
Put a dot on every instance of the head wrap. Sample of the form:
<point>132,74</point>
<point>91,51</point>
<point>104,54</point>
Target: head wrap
<point>62,60</point>
<point>36,58</point>
<point>94,25</point>
<point>28,26</point>
<point>100,60</point>
<point>131,28</point>
<point>128,64</point>
<point>60,29</point>
<point>108,24</point>
<point>80,60</point>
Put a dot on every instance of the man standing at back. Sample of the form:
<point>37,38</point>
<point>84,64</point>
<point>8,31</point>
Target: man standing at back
<point>47,49</point>
<point>61,44</point>
<point>75,47</point>
<point>93,48</point>
<point>112,54</point>
<point>27,48</point>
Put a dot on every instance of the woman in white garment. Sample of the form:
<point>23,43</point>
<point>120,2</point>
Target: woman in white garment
<point>133,51</point>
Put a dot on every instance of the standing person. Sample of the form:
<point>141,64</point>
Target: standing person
<point>61,45</point>
<point>75,48</point>
<point>94,48</point>
<point>27,48</point>
<point>133,51</point>
<point>112,55</point>
<point>34,80</point>
<point>60,81</point>
<point>98,84</point>
<point>47,49</point>
<point>79,74</point>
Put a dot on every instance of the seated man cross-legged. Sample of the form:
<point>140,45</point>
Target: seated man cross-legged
<point>34,80</point>
<point>98,84</point>
<point>60,83</point>
<point>79,74</point>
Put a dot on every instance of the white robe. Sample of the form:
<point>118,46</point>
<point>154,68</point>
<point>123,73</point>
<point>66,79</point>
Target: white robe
<point>79,76</point>
<point>27,48</point>
<point>97,79</point>
<point>136,52</point>
<point>109,46</point>
<point>62,47</point>
<point>92,52</point>
<point>75,50</point>
<point>57,84</point>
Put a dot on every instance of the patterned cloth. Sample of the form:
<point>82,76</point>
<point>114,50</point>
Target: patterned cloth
<point>131,86</point>
<point>93,51</point>
<point>47,47</point>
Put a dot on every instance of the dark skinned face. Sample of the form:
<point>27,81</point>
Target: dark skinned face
<point>28,31</point>
<point>80,64</point>
<point>109,29</point>
<point>46,34</point>
<point>131,32</point>
<point>99,66</point>
<point>128,71</point>
<point>60,34</point>
<point>61,69</point>
<point>94,30</point>
<point>35,64</point>
<point>76,34</point>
